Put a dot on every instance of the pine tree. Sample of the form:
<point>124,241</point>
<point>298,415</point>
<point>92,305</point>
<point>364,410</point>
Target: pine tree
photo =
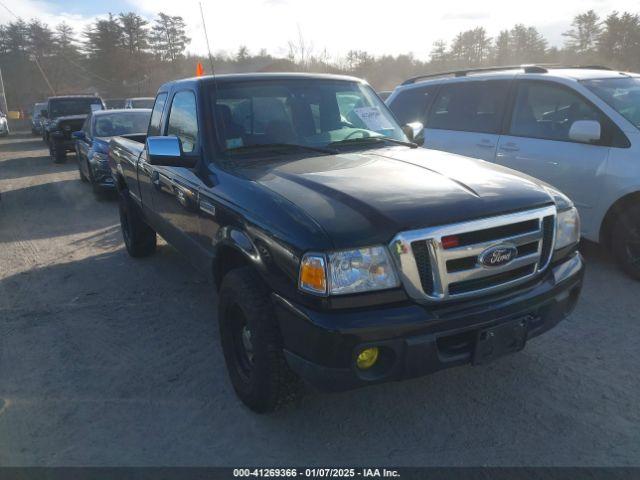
<point>583,37</point>
<point>168,37</point>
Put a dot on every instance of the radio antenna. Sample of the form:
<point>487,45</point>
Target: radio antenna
<point>213,71</point>
<point>206,37</point>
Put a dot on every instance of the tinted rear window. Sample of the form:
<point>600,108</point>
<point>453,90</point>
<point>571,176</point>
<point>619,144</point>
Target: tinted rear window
<point>470,106</point>
<point>411,105</point>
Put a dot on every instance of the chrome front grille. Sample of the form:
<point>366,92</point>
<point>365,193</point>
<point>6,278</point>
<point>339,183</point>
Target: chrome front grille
<point>431,272</point>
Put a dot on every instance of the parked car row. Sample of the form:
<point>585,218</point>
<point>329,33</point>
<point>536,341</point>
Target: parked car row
<point>81,124</point>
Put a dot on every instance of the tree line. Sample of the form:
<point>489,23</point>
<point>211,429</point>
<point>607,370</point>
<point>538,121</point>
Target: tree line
<point>126,55</point>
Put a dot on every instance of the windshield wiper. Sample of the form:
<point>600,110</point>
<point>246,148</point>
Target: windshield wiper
<point>365,140</point>
<point>281,146</point>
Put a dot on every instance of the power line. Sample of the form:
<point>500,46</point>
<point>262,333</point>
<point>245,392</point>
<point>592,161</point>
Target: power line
<point>35,57</point>
<point>8,9</point>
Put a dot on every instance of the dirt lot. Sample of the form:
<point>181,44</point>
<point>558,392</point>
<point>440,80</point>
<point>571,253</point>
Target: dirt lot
<point>106,360</point>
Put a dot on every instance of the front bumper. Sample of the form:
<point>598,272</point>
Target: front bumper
<point>102,174</point>
<point>416,340</point>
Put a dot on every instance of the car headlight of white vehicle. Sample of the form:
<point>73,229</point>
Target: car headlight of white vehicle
<point>567,221</point>
<point>348,271</point>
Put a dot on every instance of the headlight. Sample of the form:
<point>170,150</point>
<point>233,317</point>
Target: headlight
<point>567,228</point>
<point>348,271</point>
<point>568,220</point>
<point>100,158</point>
<point>560,199</point>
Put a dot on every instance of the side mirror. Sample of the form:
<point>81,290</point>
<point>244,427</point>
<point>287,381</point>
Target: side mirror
<point>79,135</point>
<point>414,132</point>
<point>167,151</point>
<point>586,131</point>
<point>44,113</point>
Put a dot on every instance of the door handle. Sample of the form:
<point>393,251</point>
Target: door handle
<point>553,164</point>
<point>510,147</point>
<point>155,179</point>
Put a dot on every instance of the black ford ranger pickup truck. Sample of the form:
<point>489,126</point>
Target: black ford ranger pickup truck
<point>63,116</point>
<point>343,254</point>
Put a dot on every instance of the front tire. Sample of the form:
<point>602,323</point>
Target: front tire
<point>251,343</point>
<point>83,177</point>
<point>139,239</point>
<point>625,241</point>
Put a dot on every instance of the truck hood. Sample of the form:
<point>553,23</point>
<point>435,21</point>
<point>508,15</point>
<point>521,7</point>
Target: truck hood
<point>368,197</point>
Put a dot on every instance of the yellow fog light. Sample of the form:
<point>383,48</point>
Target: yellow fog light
<point>367,358</point>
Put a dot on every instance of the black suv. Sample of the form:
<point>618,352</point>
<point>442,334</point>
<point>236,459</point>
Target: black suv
<point>65,115</point>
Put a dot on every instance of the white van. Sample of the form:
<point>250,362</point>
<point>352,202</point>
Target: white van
<point>577,128</point>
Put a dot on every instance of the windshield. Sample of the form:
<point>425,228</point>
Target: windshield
<point>142,103</point>
<point>622,94</point>
<point>110,125</point>
<point>74,106</point>
<point>309,113</point>
<point>38,108</point>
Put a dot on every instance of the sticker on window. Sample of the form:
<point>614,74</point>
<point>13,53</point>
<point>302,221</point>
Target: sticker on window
<point>373,118</point>
<point>234,142</point>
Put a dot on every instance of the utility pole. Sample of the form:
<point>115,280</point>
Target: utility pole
<point>3,101</point>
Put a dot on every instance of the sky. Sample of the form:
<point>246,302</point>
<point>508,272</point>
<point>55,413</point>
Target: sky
<point>379,27</point>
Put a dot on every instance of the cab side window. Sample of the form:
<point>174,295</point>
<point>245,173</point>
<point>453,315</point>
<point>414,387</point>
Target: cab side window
<point>547,111</point>
<point>156,116</point>
<point>183,120</point>
<point>476,106</point>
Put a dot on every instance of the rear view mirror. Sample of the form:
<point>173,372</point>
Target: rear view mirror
<point>167,151</point>
<point>414,132</point>
<point>586,131</point>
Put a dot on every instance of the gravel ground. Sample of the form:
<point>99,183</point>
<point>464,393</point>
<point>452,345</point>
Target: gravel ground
<point>106,360</point>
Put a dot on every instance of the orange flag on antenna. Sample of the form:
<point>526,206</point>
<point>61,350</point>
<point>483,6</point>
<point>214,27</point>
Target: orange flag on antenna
<point>199,70</point>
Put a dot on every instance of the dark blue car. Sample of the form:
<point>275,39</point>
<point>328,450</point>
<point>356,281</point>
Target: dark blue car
<point>92,142</point>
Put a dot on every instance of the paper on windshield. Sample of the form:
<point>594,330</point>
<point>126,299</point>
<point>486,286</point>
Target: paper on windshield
<point>373,118</point>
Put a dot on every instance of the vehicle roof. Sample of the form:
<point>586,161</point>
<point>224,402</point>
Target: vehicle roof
<point>245,77</point>
<point>129,111</point>
<point>570,73</point>
<point>141,98</point>
<point>65,97</point>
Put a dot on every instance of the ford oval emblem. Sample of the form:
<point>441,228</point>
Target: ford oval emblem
<point>498,256</point>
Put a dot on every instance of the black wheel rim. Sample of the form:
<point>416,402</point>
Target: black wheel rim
<point>243,351</point>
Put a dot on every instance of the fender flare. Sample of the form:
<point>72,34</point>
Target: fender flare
<point>230,238</point>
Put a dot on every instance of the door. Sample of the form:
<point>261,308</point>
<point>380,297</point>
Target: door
<point>537,141</point>
<point>175,189</point>
<point>466,118</point>
<point>145,171</point>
